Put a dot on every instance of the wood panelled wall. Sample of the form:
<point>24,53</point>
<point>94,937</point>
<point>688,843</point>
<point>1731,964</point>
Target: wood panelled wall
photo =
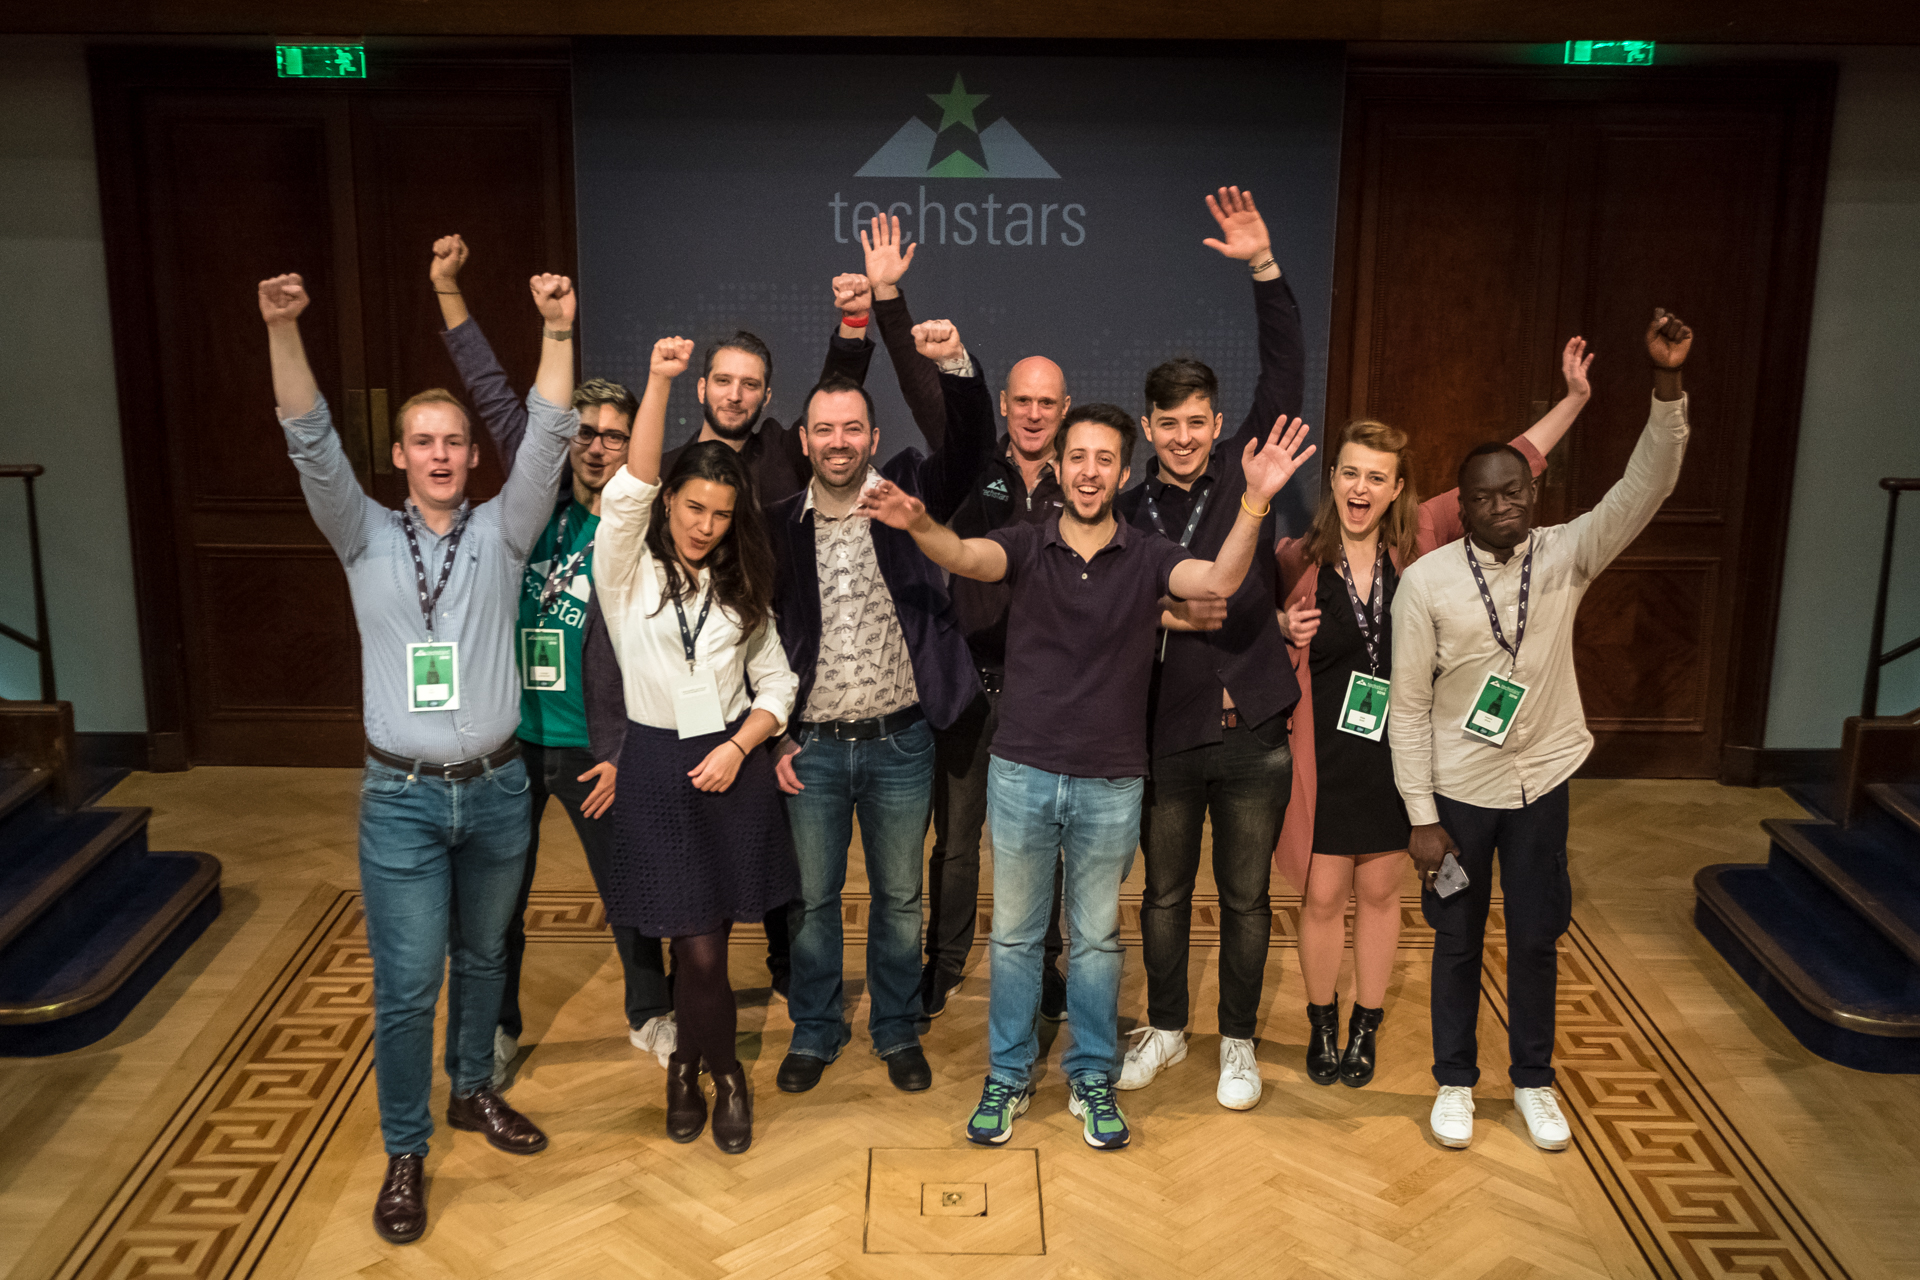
<point>1485,218</point>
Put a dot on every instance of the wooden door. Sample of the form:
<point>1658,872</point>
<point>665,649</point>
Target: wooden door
<point>213,180</point>
<point>1488,217</point>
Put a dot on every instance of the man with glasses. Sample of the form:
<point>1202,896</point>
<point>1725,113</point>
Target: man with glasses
<point>569,676</point>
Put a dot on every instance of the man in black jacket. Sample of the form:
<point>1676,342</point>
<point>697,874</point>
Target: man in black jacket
<point>1224,686</point>
<point>869,629</point>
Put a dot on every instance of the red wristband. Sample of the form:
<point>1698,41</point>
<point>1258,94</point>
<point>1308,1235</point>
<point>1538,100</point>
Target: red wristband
<point>855,322</point>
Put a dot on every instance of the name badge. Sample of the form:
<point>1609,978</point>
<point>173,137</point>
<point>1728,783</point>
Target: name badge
<point>543,660</point>
<point>696,705</point>
<point>1493,710</point>
<point>1364,714</point>
<point>433,677</point>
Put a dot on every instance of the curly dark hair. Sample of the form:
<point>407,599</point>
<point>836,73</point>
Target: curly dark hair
<point>742,560</point>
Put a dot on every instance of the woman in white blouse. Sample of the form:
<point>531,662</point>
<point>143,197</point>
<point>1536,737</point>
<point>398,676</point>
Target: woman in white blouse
<point>684,574</point>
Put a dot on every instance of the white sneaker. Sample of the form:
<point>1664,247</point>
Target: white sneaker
<point>1239,1075</point>
<point>1452,1118</point>
<point>658,1036</point>
<point>1152,1050</point>
<point>1545,1125</point>
<point>505,1050</point>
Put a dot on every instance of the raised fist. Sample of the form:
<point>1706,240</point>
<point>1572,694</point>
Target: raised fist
<point>554,296</point>
<point>937,340</point>
<point>282,299</point>
<point>1668,339</point>
<point>671,356</point>
<point>449,255</point>
<point>852,294</point>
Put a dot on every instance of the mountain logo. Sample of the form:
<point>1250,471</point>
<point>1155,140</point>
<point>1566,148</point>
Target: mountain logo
<point>959,147</point>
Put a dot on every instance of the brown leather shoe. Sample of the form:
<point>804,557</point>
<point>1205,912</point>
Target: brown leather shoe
<point>686,1100</point>
<point>400,1214</point>
<point>732,1111</point>
<point>484,1111</point>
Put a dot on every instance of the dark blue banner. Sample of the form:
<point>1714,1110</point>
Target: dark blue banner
<point>1058,204</point>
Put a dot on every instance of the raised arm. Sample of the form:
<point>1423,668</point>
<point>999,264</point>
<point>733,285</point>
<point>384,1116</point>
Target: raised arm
<point>1282,387</point>
<point>964,445</point>
<point>1268,470</point>
<point>1546,433</point>
<point>526,503</point>
<point>1654,467</point>
<point>671,357</point>
<point>502,410</point>
<point>339,505</point>
<point>981,559</point>
<point>919,379</point>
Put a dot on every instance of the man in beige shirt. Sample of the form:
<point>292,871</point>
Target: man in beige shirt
<point>1486,727</point>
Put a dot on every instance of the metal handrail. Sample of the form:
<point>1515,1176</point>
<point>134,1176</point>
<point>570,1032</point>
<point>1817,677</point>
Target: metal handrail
<point>40,642</point>
<point>1878,657</point>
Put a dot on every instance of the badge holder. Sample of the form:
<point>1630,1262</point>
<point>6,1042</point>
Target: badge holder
<point>433,677</point>
<point>696,705</point>
<point>1364,713</point>
<point>1490,718</point>
<point>543,660</point>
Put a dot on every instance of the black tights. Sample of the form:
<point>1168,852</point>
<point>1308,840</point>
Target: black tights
<point>703,1000</point>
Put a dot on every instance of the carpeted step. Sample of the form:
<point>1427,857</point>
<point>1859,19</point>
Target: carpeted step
<point>49,858</point>
<point>1898,800</point>
<point>1873,867</point>
<point>1842,989</point>
<point>22,787</point>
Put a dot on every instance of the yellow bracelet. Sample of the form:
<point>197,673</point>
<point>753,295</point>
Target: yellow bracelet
<point>1257,515</point>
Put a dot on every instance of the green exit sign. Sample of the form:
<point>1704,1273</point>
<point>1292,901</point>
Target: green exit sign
<point>1613,53</point>
<point>321,61</point>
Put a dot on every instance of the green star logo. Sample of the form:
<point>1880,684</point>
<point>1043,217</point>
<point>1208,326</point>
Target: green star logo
<point>956,105</point>
<point>997,151</point>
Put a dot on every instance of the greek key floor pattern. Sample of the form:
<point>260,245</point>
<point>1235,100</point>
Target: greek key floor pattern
<point>268,1165</point>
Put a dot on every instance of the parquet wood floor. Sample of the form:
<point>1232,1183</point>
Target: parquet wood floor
<point>1707,1142</point>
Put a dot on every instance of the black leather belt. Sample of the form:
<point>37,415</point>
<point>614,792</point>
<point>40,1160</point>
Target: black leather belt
<point>455,772</point>
<point>990,680</point>
<point>863,730</point>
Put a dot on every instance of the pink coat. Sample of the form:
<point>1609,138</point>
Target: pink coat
<point>1300,580</point>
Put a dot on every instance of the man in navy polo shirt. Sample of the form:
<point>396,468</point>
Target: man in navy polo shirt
<point>1070,756</point>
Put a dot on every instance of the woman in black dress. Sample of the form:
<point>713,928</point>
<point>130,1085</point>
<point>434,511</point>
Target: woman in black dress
<point>1346,828</point>
<point>684,573</point>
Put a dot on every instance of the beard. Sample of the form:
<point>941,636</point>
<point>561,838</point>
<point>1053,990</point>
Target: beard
<point>734,434</point>
<point>1069,511</point>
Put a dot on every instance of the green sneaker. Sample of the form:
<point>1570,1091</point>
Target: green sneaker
<point>1092,1100</point>
<point>992,1121</point>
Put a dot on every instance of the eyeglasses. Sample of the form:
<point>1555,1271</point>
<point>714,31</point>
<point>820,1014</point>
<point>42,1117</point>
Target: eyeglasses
<point>612,441</point>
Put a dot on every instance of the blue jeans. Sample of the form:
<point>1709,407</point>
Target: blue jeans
<point>440,866</point>
<point>1037,817</point>
<point>889,783</point>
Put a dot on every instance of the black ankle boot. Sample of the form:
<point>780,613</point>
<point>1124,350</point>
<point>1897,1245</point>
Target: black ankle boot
<point>686,1101</point>
<point>1356,1064</point>
<point>1323,1042</point>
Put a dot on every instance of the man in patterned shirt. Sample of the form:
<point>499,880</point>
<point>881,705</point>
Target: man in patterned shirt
<point>870,631</point>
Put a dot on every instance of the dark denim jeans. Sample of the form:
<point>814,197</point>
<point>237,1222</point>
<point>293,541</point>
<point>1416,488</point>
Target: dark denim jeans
<point>962,753</point>
<point>1538,905</point>
<point>1036,817</point>
<point>555,771</point>
<point>888,782</point>
<point>440,865</point>
<point>1245,784</point>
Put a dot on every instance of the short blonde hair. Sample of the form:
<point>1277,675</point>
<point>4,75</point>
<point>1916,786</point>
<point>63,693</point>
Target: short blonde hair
<point>432,395</point>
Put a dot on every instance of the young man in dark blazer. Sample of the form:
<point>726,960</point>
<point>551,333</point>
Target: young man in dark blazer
<point>869,628</point>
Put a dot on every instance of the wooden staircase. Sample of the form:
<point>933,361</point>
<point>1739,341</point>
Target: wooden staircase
<point>1827,931</point>
<point>89,917</point>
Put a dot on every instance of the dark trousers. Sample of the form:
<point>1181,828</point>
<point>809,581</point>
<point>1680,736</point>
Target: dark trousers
<point>555,771</point>
<point>1532,842</point>
<point>1244,784</point>
<point>960,766</point>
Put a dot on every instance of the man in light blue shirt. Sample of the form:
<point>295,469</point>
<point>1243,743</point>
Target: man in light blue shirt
<point>443,810</point>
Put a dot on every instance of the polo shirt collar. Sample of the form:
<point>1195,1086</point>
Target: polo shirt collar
<point>1121,530</point>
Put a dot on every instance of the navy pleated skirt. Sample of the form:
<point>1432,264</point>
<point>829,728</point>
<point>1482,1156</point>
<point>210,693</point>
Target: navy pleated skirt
<point>685,860</point>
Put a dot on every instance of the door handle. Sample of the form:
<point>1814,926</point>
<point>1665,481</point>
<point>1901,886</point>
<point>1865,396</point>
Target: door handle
<point>382,431</point>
